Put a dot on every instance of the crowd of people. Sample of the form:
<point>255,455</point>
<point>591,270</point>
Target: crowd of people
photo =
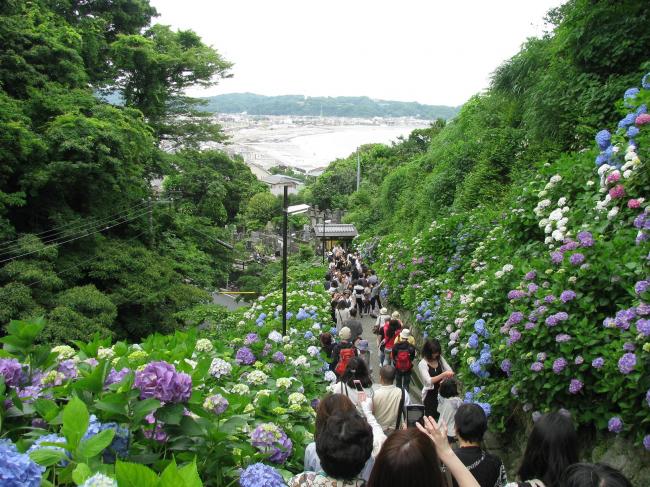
<point>365,435</point>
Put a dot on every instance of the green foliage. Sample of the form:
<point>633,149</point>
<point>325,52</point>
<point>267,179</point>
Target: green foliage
<point>261,208</point>
<point>341,106</point>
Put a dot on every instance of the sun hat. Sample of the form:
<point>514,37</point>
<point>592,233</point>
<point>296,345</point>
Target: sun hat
<point>384,311</point>
<point>395,315</point>
<point>345,333</point>
<point>362,345</point>
<point>405,334</point>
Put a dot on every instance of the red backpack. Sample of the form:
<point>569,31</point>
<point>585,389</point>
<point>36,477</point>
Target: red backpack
<point>345,354</point>
<point>403,360</point>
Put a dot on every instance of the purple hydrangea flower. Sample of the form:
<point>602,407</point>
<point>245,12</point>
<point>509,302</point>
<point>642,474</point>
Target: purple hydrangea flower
<point>279,357</point>
<point>68,368</point>
<point>598,363</point>
<point>586,239</point>
<point>641,286</point>
<point>514,336</point>
<point>577,259</point>
<point>115,376</point>
<point>12,371</point>
<point>270,439</point>
<point>643,326</point>
<point>646,442</point>
<point>647,397</point>
<point>506,365</point>
<point>260,475</point>
<point>627,363</point>
<point>160,380</point>
<point>530,325</point>
<point>569,245</point>
<point>216,403</point>
<point>624,318</point>
<point>532,288</point>
<point>575,386</point>
<point>557,257</point>
<point>563,338</point>
<point>244,356</point>
<point>530,275</point>
<point>629,347</point>
<point>615,425</point>
<point>515,318</point>
<point>536,366</point>
<point>643,309</point>
<point>567,296</point>
<point>559,365</point>
<point>516,294</point>
<point>541,356</point>
<point>251,338</point>
<point>549,299</point>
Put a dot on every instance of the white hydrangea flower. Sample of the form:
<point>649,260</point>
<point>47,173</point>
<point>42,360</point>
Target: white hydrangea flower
<point>612,213</point>
<point>498,274</point>
<point>257,378</point>
<point>297,398</point>
<point>508,268</point>
<point>561,202</point>
<point>548,228</point>
<point>543,222</point>
<point>191,363</point>
<point>204,345</point>
<point>219,368</point>
<point>548,240</point>
<point>64,352</point>
<point>275,336</point>
<point>301,360</point>
<point>557,235</point>
<point>313,351</point>
<point>555,215</point>
<point>329,376</point>
<point>590,183</point>
<point>627,174</point>
<point>555,179</point>
<point>104,353</point>
<point>283,383</point>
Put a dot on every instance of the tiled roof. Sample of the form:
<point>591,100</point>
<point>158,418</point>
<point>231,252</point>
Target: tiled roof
<point>335,230</point>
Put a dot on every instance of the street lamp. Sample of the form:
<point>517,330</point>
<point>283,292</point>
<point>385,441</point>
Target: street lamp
<point>287,210</point>
<point>324,222</point>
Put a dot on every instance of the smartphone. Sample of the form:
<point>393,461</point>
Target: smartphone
<point>358,386</point>
<point>414,414</point>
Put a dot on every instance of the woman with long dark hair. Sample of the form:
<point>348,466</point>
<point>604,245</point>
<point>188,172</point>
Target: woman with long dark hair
<point>552,447</point>
<point>411,458</point>
<point>433,370</point>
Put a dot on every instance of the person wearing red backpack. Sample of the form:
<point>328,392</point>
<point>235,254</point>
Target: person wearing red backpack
<point>403,356</point>
<point>343,351</point>
<point>391,332</point>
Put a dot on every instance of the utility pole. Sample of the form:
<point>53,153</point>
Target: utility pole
<point>358,169</point>
<point>285,222</point>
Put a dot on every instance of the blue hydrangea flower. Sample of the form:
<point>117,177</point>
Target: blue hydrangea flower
<point>119,447</point>
<point>630,94</point>
<point>473,341</point>
<point>603,139</point>
<point>99,480</point>
<point>632,131</point>
<point>260,475</point>
<point>645,81</point>
<point>17,469</point>
<point>52,438</point>
<point>627,121</point>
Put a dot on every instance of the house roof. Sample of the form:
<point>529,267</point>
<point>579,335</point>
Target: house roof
<point>333,230</point>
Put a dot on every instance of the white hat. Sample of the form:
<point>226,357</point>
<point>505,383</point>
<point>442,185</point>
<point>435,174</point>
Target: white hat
<point>405,334</point>
<point>395,315</point>
<point>345,333</point>
<point>384,311</point>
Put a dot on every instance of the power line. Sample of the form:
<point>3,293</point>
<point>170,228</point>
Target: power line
<point>80,263</point>
<point>220,242</point>
<point>73,225</point>
<point>75,238</point>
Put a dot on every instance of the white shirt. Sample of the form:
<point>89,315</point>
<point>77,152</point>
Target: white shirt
<point>447,407</point>
<point>423,369</point>
<point>351,393</point>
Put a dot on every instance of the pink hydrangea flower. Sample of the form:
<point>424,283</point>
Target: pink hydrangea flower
<point>614,177</point>
<point>634,204</point>
<point>617,191</point>
<point>642,119</point>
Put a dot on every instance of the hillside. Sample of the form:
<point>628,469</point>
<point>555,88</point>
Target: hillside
<point>357,106</point>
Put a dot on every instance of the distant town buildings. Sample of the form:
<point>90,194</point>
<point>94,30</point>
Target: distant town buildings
<point>277,182</point>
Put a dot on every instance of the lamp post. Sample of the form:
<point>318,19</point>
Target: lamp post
<point>324,222</point>
<point>287,210</point>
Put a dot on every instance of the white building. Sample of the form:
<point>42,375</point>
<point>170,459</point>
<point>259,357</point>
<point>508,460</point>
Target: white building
<point>276,183</point>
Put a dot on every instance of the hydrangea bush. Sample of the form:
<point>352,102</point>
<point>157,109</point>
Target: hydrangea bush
<point>197,404</point>
<point>545,304</point>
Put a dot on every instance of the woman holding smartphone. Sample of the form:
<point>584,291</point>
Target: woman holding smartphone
<point>433,370</point>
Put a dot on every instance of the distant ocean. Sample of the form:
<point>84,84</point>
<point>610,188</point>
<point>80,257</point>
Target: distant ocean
<point>311,147</point>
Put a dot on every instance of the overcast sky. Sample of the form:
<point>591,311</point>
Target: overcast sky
<point>430,51</point>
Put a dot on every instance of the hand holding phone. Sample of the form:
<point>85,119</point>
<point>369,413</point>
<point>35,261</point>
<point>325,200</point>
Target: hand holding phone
<point>361,393</point>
